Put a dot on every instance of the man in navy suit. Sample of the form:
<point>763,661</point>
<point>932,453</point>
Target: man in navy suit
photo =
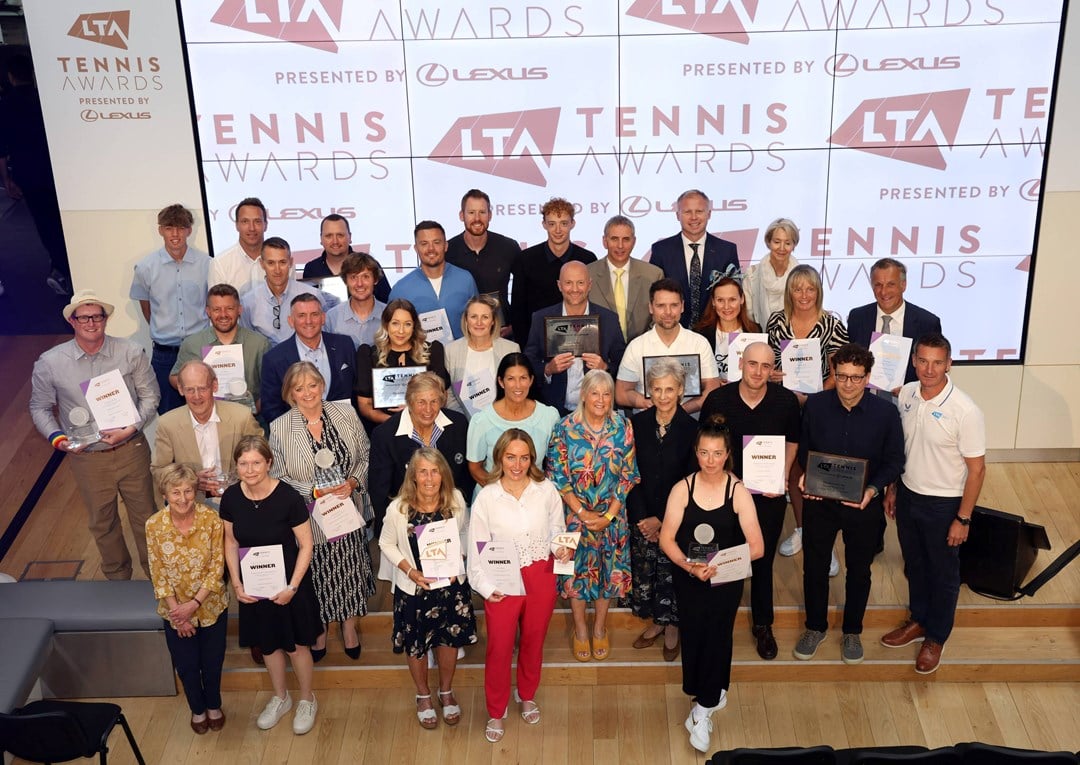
<point>333,355</point>
<point>890,314</point>
<point>562,374</point>
<point>693,255</point>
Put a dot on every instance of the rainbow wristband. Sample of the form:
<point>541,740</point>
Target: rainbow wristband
<point>57,438</point>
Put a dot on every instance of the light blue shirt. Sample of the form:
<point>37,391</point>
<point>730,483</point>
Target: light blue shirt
<point>458,286</point>
<point>342,321</point>
<point>176,291</point>
<point>269,315</point>
<point>316,356</point>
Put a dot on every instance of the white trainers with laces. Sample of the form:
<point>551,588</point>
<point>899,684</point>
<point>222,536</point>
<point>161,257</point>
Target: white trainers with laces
<point>834,565</point>
<point>304,719</point>
<point>273,712</point>
<point>792,545</point>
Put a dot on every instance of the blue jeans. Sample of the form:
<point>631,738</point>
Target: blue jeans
<point>162,362</point>
<point>198,660</point>
<point>932,567</point>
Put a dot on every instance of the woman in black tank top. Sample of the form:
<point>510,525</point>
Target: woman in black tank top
<point>708,511</point>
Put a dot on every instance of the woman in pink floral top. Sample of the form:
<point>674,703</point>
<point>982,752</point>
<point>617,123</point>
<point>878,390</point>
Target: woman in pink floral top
<point>591,462</point>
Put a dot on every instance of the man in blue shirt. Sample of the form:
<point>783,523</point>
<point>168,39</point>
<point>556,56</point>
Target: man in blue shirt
<point>170,285</point>
<point>846,422</point>
<point>265,307</point>
<point>436,285</point>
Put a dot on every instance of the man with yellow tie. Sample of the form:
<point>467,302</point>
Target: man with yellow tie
<point>621,283</point>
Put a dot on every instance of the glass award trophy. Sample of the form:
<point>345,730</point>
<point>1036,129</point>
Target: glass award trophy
<point>327,472</point>
<point>703,545</point>
<point>83,429</point>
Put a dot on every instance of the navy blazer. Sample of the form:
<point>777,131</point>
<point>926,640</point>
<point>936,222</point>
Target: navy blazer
<point>276,362</point>
<point>668,255</point>
<point>612,345</point>
<point>862,322</point>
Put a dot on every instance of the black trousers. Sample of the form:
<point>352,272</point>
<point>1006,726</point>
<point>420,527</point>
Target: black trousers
<point>770,514</point>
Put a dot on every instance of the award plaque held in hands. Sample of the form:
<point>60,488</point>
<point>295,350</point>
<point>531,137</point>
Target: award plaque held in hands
<point>571,334</point>
<point>833,476</point>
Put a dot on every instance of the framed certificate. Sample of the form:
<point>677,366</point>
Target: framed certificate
<point>571,334</point>
<point>691,364</point>
<point>833,476</point>
<point>388,385</point>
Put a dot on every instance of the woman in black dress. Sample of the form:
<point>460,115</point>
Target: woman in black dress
<point>664,435</point>
<point>439,619</point>
<point>261,510</point>
<point>707,511</point>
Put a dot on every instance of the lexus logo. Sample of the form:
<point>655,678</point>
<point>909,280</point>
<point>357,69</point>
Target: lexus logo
<point>636,206</point>
<point>432,75</point>
<point>1031,189</point>
<point>841,65</point>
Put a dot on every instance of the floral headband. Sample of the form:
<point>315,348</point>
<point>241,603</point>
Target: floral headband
<point>731,272</point>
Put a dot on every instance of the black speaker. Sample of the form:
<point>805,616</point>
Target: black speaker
<point>999,552</point>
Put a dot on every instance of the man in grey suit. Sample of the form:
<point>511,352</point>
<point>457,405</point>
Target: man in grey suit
<point>618,278</point>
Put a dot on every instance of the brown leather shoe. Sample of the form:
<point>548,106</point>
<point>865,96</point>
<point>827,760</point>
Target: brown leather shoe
<point>766,643</point>
<point>257,655</point>
<point>647,642</point>
<point>907,633</point>
<point>201,727</point>
<point>216,723</point>
<point>671,654</point>
<point>929,657</point>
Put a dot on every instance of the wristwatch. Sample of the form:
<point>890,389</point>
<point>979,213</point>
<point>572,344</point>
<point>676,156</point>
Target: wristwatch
<point>963,521</point>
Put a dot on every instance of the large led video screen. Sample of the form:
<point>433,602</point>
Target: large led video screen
<point>914,129</point>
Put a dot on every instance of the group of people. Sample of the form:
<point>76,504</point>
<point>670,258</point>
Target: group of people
<point>617,461</point>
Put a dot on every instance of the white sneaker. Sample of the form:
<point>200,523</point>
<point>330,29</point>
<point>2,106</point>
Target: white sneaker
<point>792,545</point>
<point>700,731</point>
<point>304,719</point>
<point>834,565</point>
<point>274,711</point>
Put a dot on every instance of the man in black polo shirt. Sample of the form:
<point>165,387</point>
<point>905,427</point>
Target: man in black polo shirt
<point>756,407</point>
<point>488,256</point>
<point>845,421</point>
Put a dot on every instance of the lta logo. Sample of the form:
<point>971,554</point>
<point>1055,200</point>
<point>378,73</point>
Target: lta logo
<point>908,128</point>
<point>109,28</point>
<point>708,17</point>
<point>304,22</point>
<point>508,145</point>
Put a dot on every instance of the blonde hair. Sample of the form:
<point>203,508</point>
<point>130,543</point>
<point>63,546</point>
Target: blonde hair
<point>595,378</point>
<point>407,495</point>
<point>508,436</point>
<point>176,475</point>
<point>420,350</point>
<point>808,275</point>
<point>496,319</point>
<point>296,374</point>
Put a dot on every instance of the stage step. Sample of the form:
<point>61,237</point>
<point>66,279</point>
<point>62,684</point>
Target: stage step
<point>990,644</point>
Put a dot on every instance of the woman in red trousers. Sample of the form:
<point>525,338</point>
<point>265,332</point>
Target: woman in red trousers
<point>521,507</point>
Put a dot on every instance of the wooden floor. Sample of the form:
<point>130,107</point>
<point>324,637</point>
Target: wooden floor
<point>598,719</point>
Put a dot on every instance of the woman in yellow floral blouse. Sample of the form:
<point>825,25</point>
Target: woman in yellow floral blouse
<point>185,543</point>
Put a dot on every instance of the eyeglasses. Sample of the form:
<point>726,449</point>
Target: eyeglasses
<point>850,378</point>
<point>277,317</point>
<point>97,318</point>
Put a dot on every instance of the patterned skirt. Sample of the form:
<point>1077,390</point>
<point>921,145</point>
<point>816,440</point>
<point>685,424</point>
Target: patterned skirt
<point>341,573</point>
<point>430,618</point>
<point>653,593</point>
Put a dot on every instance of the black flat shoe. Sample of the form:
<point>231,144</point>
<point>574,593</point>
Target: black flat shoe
<point>317,654</point>
<point>354,652</point>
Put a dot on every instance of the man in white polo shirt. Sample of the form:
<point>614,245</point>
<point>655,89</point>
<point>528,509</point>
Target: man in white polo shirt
<point>667,338</point>
<point>945,447</point>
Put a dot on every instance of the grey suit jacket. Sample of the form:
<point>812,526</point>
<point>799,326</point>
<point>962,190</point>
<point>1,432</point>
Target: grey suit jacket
<point>175,437</point>
<point>641,277</point>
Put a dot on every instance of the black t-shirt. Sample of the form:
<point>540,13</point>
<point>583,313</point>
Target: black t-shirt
<point>777,414</point>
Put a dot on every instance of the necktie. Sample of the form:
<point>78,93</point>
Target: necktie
<point>620,299</point>
<point>695,283</point>
<point>886,325</point>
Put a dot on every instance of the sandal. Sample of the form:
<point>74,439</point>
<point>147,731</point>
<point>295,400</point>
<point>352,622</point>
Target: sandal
<point>428,718</point>
<point>530,710</point>
<point>601,646</point>
<point>493,731</point>
<point>451,713</point>
<point>582,650</point>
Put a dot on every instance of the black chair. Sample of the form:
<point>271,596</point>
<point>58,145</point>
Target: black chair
<point>795,755</point>
<point>988,754</point>
<point>944,756</point>
<point>58,731</point>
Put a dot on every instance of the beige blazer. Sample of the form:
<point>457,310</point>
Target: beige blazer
<point>641,277</point>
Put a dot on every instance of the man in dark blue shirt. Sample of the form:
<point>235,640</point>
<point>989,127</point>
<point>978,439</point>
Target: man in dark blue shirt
<point>846,422</point>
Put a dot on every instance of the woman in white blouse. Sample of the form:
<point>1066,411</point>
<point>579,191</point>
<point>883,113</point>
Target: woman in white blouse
<point>519,505</point>
<point>765,282</point>
<point>473,358</point>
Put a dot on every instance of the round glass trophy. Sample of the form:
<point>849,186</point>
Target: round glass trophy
<point>83,429</point>
<point>327,473</point>
<point>703,545</point>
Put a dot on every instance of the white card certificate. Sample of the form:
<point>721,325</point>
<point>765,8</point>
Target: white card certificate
<point>437,326</point>
<point>892,354</point>
<point>763,460</point>
<point>109,401</point>
<point>737,342</point>
<point>732,564</point>
<point>262,570</point>
<point>227,361</point>
<point>569,539</point>
<point>476,390</point>
<point>498,560</point>
<point>336,516</point>
<point>440,550</point>
<point>801,361</point>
